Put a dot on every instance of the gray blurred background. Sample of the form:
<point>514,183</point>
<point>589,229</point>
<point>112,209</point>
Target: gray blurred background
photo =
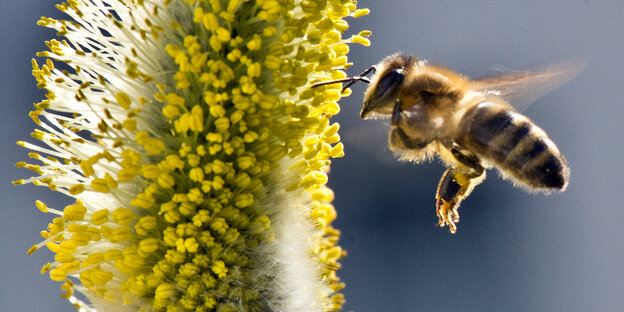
<point>514,251</point>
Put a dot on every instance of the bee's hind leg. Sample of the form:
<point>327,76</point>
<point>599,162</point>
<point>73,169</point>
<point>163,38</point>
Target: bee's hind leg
<point>455,185</point>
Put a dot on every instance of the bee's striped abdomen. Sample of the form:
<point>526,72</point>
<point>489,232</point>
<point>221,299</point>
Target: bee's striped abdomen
<point>515,145</point>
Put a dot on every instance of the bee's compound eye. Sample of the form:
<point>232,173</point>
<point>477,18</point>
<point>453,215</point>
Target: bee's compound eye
<point>389,83</point>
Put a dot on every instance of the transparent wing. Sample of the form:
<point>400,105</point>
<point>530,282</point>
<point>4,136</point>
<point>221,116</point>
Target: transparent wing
<point>371,138</point>
<point>521,88</point>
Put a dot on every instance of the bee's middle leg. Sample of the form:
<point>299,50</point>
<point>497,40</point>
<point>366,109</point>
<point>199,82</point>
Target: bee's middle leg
<point>455,185</point>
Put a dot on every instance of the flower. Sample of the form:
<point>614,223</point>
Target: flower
<point>194,151</point>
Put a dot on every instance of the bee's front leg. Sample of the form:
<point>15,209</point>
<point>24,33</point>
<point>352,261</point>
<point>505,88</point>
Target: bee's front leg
<point>455,185</point>
<point>397,112</point>
<point>398,138</point>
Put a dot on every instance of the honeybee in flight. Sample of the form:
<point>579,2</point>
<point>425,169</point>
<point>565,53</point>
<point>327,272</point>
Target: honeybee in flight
<point>466,123</point>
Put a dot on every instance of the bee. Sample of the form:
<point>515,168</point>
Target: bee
<point>468,124</point>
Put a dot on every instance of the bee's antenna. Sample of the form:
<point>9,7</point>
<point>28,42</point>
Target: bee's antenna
<point>349,80</point>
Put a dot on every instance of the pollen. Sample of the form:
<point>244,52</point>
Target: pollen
<point>195,151</point>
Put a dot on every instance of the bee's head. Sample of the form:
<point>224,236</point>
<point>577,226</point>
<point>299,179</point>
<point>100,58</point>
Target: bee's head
<point>385,85</point>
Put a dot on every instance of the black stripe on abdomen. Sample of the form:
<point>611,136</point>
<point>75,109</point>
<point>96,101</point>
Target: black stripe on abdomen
<point>528,151</point>
<point>508,139</point>
<point>487,125</point>
<point>496,131</point>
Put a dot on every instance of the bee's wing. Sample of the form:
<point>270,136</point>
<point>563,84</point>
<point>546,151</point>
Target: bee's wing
<point>521,88</point>
<point>371,138</point>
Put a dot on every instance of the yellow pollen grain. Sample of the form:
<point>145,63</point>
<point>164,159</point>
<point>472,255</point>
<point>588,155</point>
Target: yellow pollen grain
<point>76,189</point>
<point>123,216</point>
<point>337,151</point>
<point>58,274</point>
<point>165,180</point>
<point>41,206</point>
<point>32,249</point>
<point>361,40</point>
<point>361,12</point>
<point>53,247</point>
<point>196,174</point>
<point>100,217</point>
<point>74,212</point>
<point>100,185</point>
<point>219,269</point>
<point>123,100</point>
<point>148,245</point>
